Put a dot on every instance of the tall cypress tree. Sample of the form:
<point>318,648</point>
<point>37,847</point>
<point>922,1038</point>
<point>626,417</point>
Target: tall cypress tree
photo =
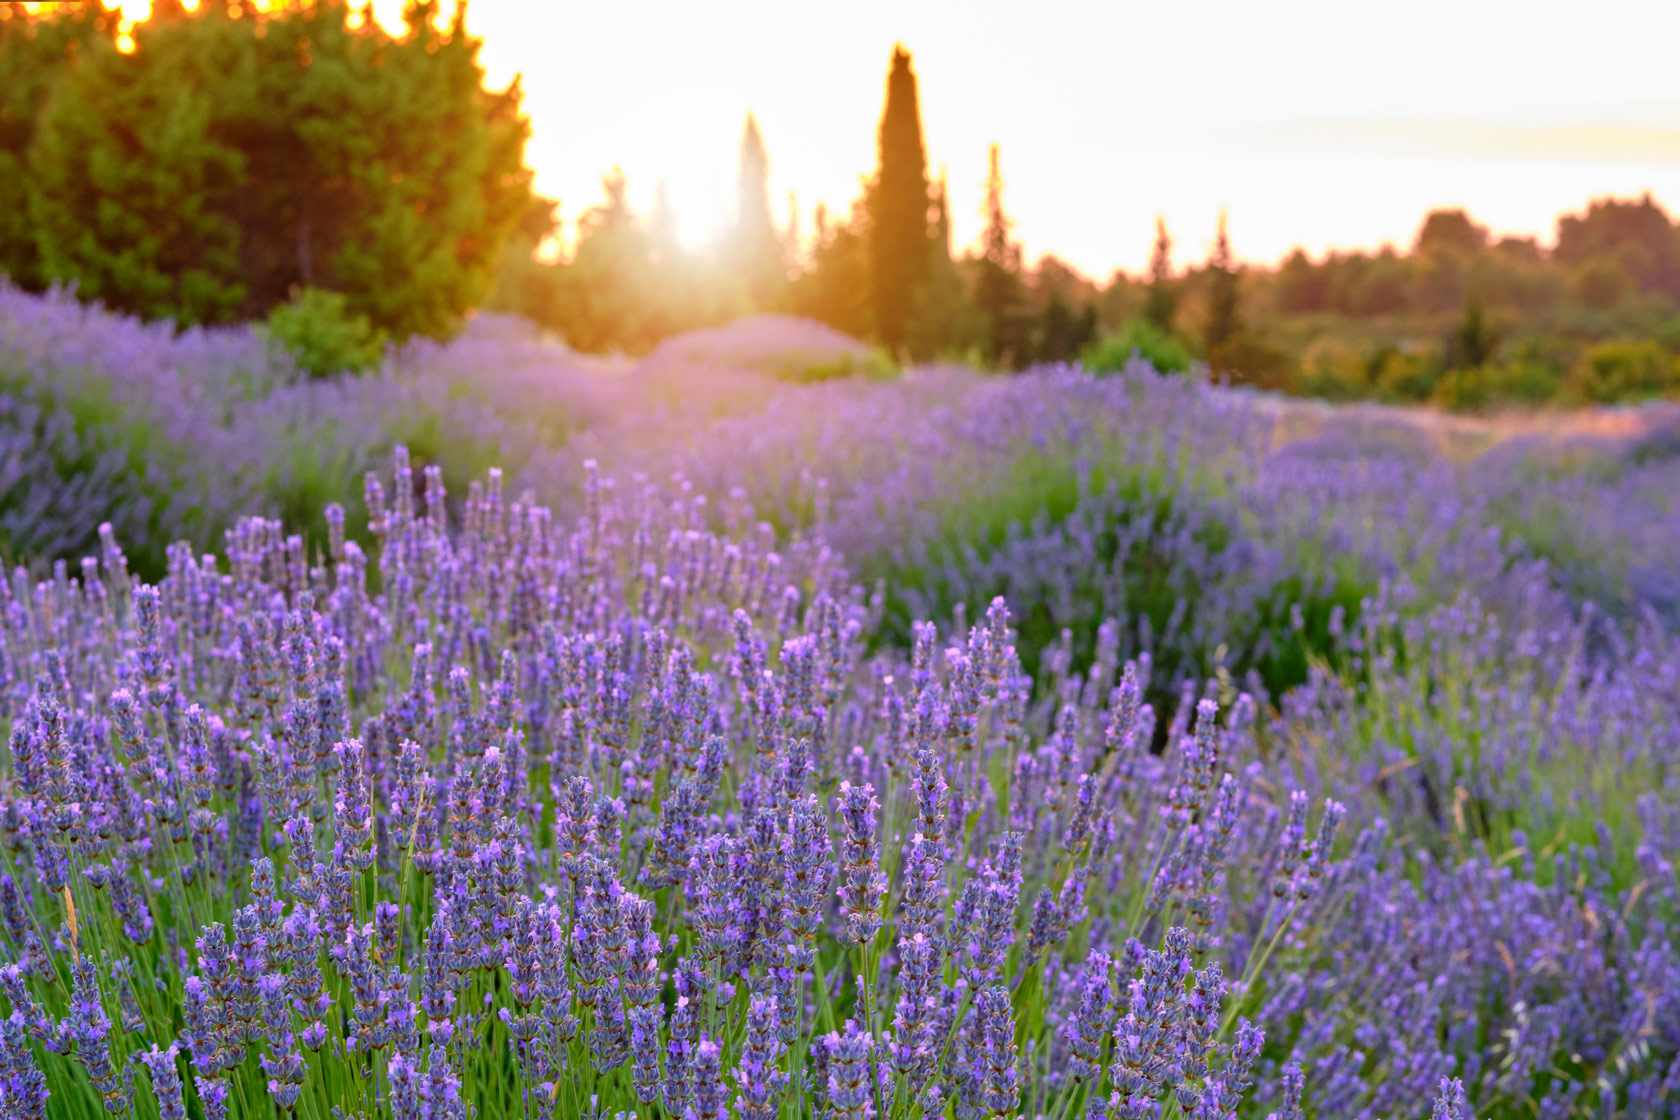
<point>1223,322</point>
<point>1162,301</point>
<point>899,237</point>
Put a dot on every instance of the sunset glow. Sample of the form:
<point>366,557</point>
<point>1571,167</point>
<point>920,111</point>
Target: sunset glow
<point>1313,123</point>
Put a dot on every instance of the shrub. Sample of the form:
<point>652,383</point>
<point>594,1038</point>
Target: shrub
<point>323,336</point>
<point>1613,372</point>
<point>1334,369</point>
<point>1166,352</point>
<point>1669,334</point>
<point>1407,377</point>
<point>1470,388</point>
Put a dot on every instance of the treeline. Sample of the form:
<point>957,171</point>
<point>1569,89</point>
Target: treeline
<point>1458,318</point>
<point>885,271</point>
<point>300,164</point>
<point>346,186</point>
<point>1467,320</point>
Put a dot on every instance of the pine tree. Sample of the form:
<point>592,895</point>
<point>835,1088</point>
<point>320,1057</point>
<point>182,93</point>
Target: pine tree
<point>899,237</point>
<point>1223,322</point>
<point>36,50</point>
<point>281,149</point>
<point>754,244</point>
<point>1162,302</point>
<point>998,292</point>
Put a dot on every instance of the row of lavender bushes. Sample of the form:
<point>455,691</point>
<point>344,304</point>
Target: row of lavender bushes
<point>1169,505</point>
<point>1409,638</point>
<point>621,816</point>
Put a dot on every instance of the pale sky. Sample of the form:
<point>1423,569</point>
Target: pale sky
<point>1321,123</point>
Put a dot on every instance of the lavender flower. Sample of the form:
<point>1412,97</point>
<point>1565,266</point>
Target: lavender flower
<point>862,884</point>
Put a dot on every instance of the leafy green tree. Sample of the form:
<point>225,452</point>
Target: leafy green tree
<point>899,237</point>
<point>1223,317</point>
<point>131,185</point>
<point>1161,302</point>
<point>238,156</point>
<point>36,51</point>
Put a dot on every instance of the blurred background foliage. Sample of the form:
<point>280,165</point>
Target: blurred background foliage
<point>237,165</point>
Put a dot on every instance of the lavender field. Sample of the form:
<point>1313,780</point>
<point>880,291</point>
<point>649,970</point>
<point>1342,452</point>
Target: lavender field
<point>755,731</point>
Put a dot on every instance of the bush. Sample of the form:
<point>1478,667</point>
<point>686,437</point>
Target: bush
<point>323,336</point>
<point>1334,369</point>
<point>1614,372</point>
<point>1669,334</point>
<point>1469,388</point>
<point>1138,337</point>
<point>1407,377</point>
<point>1245,360</point>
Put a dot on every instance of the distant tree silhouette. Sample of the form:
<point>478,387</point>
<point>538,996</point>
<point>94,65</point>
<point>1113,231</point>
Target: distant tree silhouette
<point>1161,303</point>
<point>943,321</point>
<point>792,237</point>
<point>662,218</point>
<point>1473,342</point>
<point>754,244</point>
<point>1223,322</point>
<point>835,289</point>
<point>1062,334</point>
<point>1300,286</point>
<point>998,291</point>
<point>899,238</point>
<point>1636,236</point>
<point>1451,229</point>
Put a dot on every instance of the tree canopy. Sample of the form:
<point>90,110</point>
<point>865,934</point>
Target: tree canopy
<point>235,157</point>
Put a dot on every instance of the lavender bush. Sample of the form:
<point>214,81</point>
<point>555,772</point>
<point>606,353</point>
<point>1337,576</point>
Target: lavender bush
<point>1044,747</point>
<point>625,819</point>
